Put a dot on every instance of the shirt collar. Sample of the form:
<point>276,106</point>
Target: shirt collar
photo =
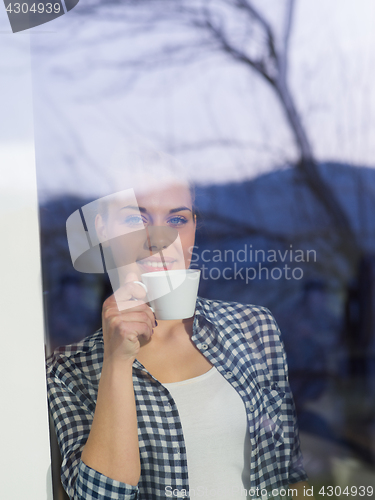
<point>204,309</point>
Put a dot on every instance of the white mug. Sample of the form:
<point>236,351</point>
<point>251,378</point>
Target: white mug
<point>172,294</point>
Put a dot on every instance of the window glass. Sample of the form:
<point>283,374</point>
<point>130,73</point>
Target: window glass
<point>265,109</point>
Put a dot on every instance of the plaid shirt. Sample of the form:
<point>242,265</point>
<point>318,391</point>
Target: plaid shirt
<point>243,343</point>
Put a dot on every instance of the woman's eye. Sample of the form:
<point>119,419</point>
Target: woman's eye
<point>135,220</point>
<point>178,220</point>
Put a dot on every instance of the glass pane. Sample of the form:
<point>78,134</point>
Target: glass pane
<point>265,112</point>
<point>25,447</point>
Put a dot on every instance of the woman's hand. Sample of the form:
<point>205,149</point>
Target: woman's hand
<point>126,323</point>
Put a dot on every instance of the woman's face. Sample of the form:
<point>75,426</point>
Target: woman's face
<point>143,232</point>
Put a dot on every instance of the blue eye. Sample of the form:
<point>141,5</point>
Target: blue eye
<point>135,220</point>
<point>177,220</point>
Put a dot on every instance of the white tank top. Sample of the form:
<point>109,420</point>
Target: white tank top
<point>217,440</point>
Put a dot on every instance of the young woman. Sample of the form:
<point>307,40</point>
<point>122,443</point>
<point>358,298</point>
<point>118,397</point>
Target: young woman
<point>147,409</point>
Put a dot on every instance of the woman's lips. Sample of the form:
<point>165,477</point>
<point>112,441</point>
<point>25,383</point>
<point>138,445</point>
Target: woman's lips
<point>151,265</point>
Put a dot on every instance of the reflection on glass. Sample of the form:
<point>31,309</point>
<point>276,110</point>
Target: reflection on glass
<point>275,148</point>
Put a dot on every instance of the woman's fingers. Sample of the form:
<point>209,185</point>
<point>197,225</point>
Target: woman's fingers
<point>130,291</point>
<point>126,327</point>
<point>110,307</point>
<point>131,318</point>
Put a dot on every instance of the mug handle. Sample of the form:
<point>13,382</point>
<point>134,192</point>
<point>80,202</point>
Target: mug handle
<point>145,288</point>
<point>142,285</point>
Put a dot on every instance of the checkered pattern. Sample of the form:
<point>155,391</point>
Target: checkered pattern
<point>243,343</point>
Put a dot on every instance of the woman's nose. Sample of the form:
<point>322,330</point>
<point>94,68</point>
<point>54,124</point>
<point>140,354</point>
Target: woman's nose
<point>159,237</point>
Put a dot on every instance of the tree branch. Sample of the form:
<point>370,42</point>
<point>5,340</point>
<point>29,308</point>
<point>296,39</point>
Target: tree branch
<point>283,60</point>
<point>257,64</point>
<point>245,4</point>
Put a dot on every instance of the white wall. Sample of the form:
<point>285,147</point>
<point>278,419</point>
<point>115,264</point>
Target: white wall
<point>24,438</point>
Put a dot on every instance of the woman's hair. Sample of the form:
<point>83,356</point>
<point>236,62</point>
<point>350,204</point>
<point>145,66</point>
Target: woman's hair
<point>142,169</point>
